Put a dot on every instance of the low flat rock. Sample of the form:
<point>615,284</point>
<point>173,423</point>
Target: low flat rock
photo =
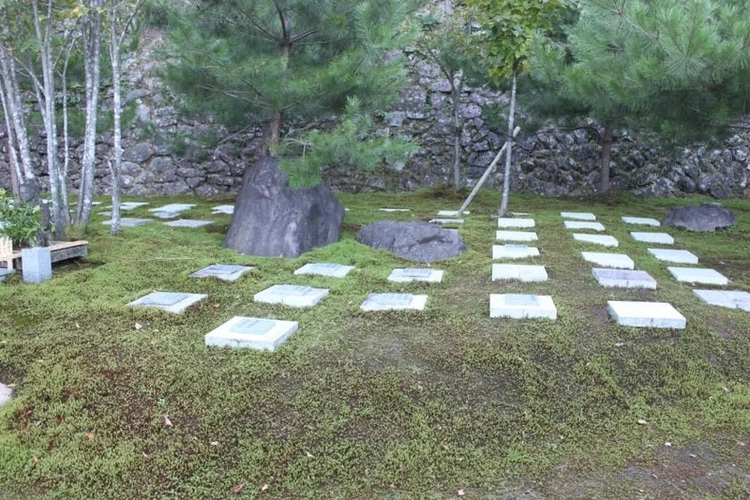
<point>641,221</point>
<point>598,239</point>
<point>703,276</point>
<point>646,314</point>
<point>291,295</point>
<point>223,209</point>
<point>393,302</point>
<point>660,238</point>
<point>676,256</point>
<point>621,278</point>
<point>725,298</point>
<point>516,236</point>
<point>510,222</point>
<point>329,269</point>
<point>191,223</point>
<point>614,260</point>
<point>395,210</point>
<point>410,274</point>
<point>252,333</point>
<point>514,251</point>
<point>452,213</point>
<point>592,226</point>
<point>703,217</point>
<point>174,302</point>
<point>417,241</point>
<point>225,272</point>
<point>578,215</point>
<point>520,272</point>
<point>129,222</point>
<point>522,306</point>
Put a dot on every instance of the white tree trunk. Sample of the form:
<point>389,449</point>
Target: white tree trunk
<point>15,169</point>
<point>116,163</point>
<point>503,211</point>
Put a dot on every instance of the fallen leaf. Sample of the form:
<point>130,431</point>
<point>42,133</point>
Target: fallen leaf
<point>655,476</point>
<point>138,326</point>
<point>217,305</point>
<point>264,488</point>
<point>89,434</point>
<point>392,486</point>
<point>693,455</point>
<point>309,455</point>
<point>35,459</point>
<point>461,493</point>
<point>237,489</point>
<point>642,422</point>
<point>167,422</point>
<point>214,443</point>
<point>77,325</point>
<point>145,455</point>
<point>619,344</point>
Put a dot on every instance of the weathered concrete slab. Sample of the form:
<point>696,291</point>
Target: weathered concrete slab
<point>129,222</point>
<point>173,302</point>
<point>173,207</point>
<point>508,222</point>
<point>223,209</point>
<point>703,276</point>
<point>660,238</point>
<point>646,314</point>
<point>578,215</point>
<point>642,221</point>
<point>620,278</point>
<point>291,295</point>
<point>393,302</point>
<point>591,226</point>
<point>410,274</point>
<point>191,223</point>
<point>252,333</point>
<point>521,306</point>
<point>516,236</point>
<point>614,260</point>
<point>677,256</point>
<point>452,213</point>
<point>514,251</point>
<point>325,269</point>
<point>520,272</point>
<point>226,272</point>
<point>395,210</point>
<point>725,298</point>
<point>598,239</point>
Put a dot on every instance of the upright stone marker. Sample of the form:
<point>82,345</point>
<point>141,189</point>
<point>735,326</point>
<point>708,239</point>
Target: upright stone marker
<point>698,275</point>
<point>291,295</point>
<point>615,260</point>
<point>521,306</point>
<point>325,269</point>
<point>593,226</point>
<point>646,314</point>
<point>598,239</point>
<point>660,238</point>
<point>416,274</point>
<point>393,302</point>
<point>168,301</point>
<point>618,278</point>
<point>520,272</point>
<point>226,272</point>
<point>37,264</point>
<point>578,215</point>
<point>252,333</point>
<point>508,222</point>
<point>643,221</point>
<point>723,298</point>
<point>676,256</point>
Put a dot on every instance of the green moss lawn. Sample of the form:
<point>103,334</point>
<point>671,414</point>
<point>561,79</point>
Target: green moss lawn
<point>114,402</point>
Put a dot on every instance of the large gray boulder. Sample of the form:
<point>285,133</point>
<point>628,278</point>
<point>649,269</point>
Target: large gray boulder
<point>419,241</point>
<point>273,220</point>
<point>704,217</point>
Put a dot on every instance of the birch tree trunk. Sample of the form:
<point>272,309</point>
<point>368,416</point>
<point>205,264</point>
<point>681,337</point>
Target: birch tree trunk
<point>503,211</point>
<point>92,34</point>
<point>15,169</point>
<point>116,163</point>
<point>456,88</point>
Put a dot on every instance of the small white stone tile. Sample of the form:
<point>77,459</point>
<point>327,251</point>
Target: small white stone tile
<point>393,302</point>
<point>703,276</point>
<point>223,209</point>
<point>410,274</point>
<point>725,298</point>
<point>614,260</point>
<point>520,272</point>
<point>291,295</point>
<point>660,238</point>
<point>507,222</point>
<point>252,333</point>
<point>521,306</point>
<point>513,251</point>
<point>192,223</point>
<point>127,206</point>
<point>6,393</point>
<point>578,215</point>
<point>643,221</point>
<point>165,215</point>
<point>226,272</point>
<point>325,269</point>
<point>621,278</point>
<point>395,210</point>
<point>452,213</point>
<point>173,207</point>
<point>129,222</point>
<point>677,256</point>
<point>592,226</point>
<point>446,222</point>
<point>516,236</point>
<point>646,314</point>
<point>598,239</point>
<point>174,302</point>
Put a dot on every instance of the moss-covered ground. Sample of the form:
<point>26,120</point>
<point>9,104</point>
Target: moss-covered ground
<point>114,402</point>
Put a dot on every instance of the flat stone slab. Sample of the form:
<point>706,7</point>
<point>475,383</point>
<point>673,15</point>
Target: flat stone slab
<point>620,278</point>
<point>513,251</point>
<point>189,223</point>
<point>592,226</point>
<point>516,236</point>
<point>6,393</point>
<point>291,295</point>
<point>704,276</point>
<point>452,213</point>
<point>4,273</point>
<point>395,210</point>
<point>446,222</point>
<point>678,256</point>
<point>521,306</point>
<point>226,272</point>
<point>223,209</point>
<point>578,215</point>
<point>252,333</point>
<point>127,206</point>
<point>642,221</point>
<point>393,302</point>
<point>520,272</point>
<point>174,302</point>
<point>325,269</point>
<point>410,274</point>
<point>598,239</point>
<point>173,207</point>
<point>615,260</point>
<point>508,222</point>
<point>129,222</point>
<point>646,314</point>
<point>660,238</point>
<point>724,298</point>
<point>166,215</point>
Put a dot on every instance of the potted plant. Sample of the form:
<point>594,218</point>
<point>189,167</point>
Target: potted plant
<point>21,223</point>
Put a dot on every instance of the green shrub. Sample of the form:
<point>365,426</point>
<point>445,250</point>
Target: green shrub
<point>19,221</point>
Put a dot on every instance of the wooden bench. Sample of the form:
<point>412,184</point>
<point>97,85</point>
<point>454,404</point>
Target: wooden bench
<point>59,251</point>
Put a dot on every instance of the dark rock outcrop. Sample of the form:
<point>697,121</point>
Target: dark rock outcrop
<point>704,217</point>
<point>419,241</point>
<point>273,220</point>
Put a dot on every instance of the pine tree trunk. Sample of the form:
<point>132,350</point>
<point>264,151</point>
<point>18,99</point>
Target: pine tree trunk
<point>274,134</point>
<point>606,145</point>
<point>503,211</point>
